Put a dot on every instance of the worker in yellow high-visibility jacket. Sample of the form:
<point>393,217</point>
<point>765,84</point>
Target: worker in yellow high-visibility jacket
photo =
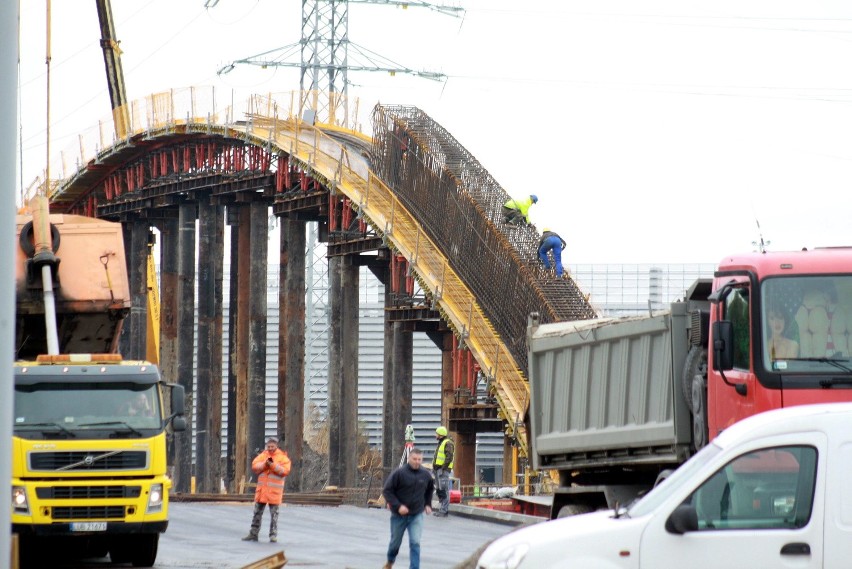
<point>443,466</point>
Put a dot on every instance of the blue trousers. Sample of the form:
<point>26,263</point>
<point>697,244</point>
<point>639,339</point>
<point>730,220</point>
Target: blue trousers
<point>414,525</point>
<point>554,244</point>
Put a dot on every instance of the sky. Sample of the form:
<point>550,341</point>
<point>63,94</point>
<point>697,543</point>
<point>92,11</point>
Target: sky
<point>670,131</point>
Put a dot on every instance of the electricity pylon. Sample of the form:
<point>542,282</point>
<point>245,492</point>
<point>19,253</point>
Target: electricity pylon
<point>326,55</point>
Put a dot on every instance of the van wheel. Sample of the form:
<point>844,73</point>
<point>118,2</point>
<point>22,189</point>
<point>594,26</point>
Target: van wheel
<point>694,364</point>
<point>700,432</point>
<point>573,510</point>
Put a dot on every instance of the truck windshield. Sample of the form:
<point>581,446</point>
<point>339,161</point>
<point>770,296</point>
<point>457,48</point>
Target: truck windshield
<point>57,410</point>
<point>807,324</point>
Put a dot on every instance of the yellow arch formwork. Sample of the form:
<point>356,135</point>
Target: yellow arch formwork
<point>347,172</point>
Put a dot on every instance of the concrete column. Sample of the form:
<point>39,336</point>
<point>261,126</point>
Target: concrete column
<point>291,345</point>
<point>185,340</point>
<point>257,328</point>
<point>209,359</point>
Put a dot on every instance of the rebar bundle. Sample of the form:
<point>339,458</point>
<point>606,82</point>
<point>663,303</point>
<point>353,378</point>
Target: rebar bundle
<point>459,206</point>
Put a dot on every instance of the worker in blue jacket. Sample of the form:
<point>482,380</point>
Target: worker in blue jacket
<point>550,241</point>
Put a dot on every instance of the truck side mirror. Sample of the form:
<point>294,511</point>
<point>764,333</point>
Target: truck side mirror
<point>178,423</point>
<point>178,399</point>
<point>723,345</point>
<point>682,520</point>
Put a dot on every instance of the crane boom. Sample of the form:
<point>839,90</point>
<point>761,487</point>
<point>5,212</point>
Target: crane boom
<point>115,74</point>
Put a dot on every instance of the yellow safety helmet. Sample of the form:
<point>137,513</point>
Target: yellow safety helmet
<point>441,431</point>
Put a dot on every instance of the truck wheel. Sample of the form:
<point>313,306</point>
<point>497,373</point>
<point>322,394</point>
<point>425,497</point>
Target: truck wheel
<point>144,550</point>
<point>573,510</point>
<point>695,363</point>
<point>700,433</point>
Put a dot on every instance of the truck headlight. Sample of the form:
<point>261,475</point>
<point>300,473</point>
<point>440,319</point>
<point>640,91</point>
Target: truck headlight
<point>508,557</point>
<point>19,500</point>
<point>155,498</point>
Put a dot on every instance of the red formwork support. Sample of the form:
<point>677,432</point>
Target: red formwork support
<point>210,153</point>
<point>128,176</point>
<point>332,212</point>
<point>346,214</point>
<point>456,363</point>
<point>362,225</point>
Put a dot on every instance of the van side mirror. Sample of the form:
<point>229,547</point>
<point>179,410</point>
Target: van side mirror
<point>682,520</point>
<point>723,345</point>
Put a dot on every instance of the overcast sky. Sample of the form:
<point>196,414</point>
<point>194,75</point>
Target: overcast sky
<point>656,131</point>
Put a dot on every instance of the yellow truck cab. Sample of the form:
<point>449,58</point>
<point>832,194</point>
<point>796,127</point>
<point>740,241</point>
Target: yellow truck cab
<point>89,455</point>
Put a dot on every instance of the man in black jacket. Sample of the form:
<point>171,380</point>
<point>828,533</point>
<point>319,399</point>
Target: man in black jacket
<point>408,492</point>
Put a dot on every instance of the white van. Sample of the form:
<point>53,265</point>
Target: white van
<point>772,491</point>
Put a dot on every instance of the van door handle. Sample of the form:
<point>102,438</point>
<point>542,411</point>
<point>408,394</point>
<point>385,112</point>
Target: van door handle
<point>796,549</point>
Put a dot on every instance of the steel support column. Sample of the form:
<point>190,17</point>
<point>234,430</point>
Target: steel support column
<point>185,339</point>
<point>257,326</point>
<point>137,322</point>
<point>208,439</point>
<point>389,459</point>
<point>401,377</point>
<point>335,369</point>
<point>291,345</point>
<point>241,265</point>
<point>348,457</point>
<point>169,307</point>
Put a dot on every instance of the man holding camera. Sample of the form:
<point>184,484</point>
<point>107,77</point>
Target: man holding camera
<point>271,467</point>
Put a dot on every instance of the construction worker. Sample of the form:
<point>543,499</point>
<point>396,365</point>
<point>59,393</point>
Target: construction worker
<point>517,211</point>
<point>443,466</point>
<point>408,493</point>
<point>550,241</point>
<point>271,467</point>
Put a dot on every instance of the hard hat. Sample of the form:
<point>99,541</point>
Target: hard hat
<point>545,230</point>
<point>442,431</point>
<point>534,198</point>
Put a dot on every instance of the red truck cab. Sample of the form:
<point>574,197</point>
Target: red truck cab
<point>780,335</point>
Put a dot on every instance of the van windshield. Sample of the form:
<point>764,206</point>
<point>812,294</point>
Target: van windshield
<point>683,475</point>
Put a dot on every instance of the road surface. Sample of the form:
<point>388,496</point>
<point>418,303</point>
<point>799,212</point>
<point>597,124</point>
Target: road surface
<point>207,536</point>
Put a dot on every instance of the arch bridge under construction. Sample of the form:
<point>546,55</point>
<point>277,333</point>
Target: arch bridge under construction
<point>408,201</point>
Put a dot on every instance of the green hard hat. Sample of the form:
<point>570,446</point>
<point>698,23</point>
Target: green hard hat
<point>442,431</point>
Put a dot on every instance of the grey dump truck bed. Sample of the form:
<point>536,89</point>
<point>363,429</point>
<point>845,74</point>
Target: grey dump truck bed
<point>603,392</point>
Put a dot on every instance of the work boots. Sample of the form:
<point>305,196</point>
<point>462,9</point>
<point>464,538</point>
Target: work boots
<point>250,537</point>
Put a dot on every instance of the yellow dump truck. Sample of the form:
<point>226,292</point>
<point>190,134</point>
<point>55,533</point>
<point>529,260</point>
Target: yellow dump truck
<point>89,472</point>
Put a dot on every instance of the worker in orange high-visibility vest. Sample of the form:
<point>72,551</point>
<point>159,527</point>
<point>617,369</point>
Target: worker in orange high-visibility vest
<point>271,466</point>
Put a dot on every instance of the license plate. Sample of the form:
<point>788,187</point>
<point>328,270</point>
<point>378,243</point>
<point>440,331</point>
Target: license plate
<point>88,526</point>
